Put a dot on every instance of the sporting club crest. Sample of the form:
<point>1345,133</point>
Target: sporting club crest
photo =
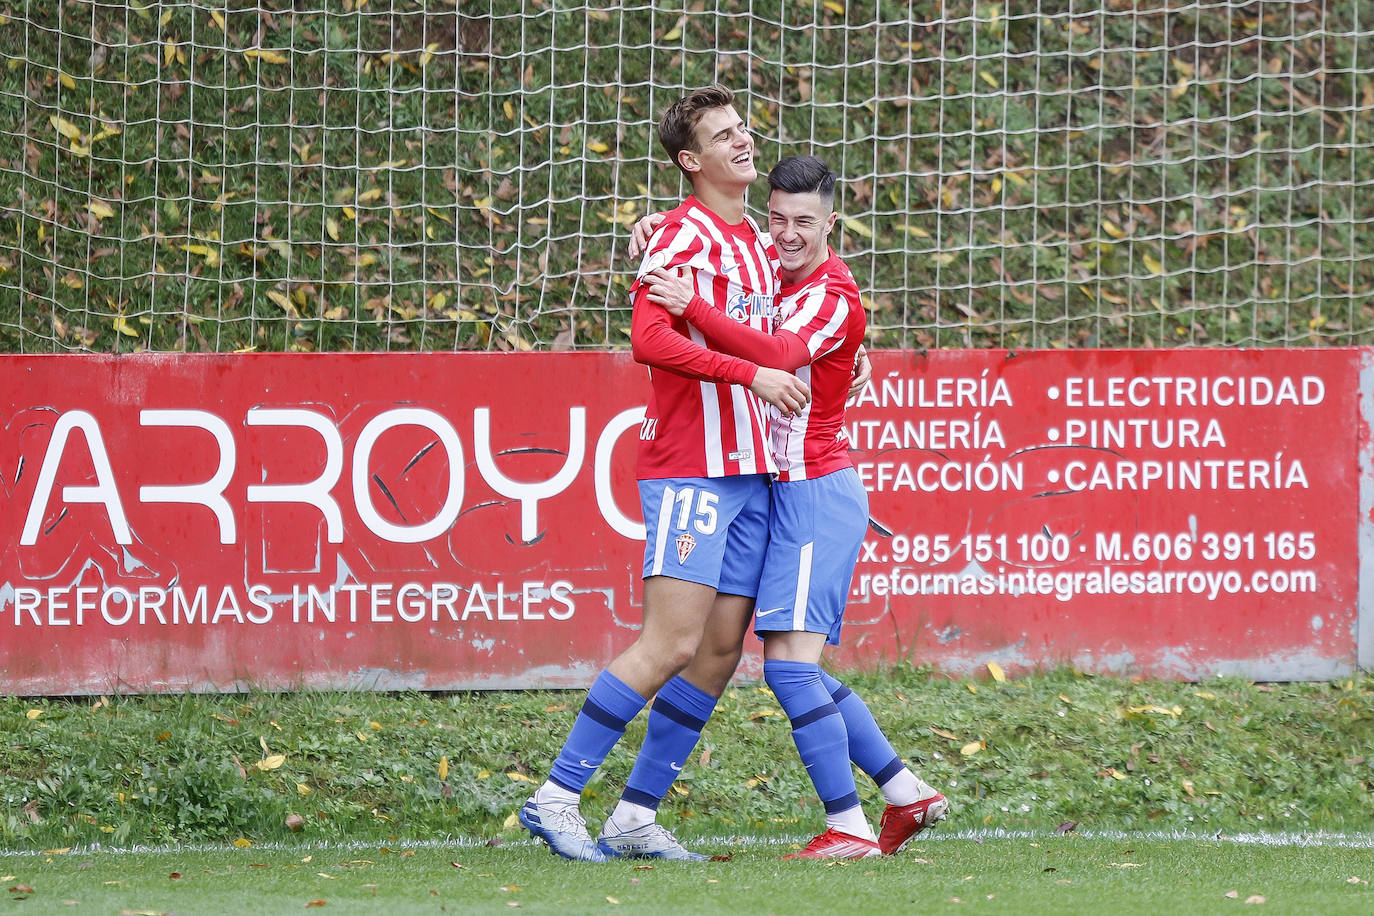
<point>685,545</point>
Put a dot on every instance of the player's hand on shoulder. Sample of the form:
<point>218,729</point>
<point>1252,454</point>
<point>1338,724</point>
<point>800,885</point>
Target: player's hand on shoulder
<point>643,231</point>
<point>863,371</point>
<point>781,389</point>
<point>670,288</point>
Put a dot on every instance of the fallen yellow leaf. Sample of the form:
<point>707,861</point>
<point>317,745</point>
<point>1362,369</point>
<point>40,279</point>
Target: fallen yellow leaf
<point>66,128</point>
<point>858,228</point>
<point>271,762</point>
<point>267,57</point>
<point>243,842</point>
<point>443,767</point>
<point>280,299</point>
<point>997,673</point>
<point>973,747</point>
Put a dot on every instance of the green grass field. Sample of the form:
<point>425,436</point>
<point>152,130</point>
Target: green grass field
<point>1070,793</point>
<point>1024,754</point>
<point>958,873</point>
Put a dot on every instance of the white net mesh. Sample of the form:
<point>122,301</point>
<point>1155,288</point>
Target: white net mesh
<point>329,174</point>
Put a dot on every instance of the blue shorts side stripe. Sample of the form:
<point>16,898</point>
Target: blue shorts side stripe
<point>665,511</point>
<point>803,586</point>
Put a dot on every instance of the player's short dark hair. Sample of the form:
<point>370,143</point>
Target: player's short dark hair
<point>677,128</point>
<point>803,175</point>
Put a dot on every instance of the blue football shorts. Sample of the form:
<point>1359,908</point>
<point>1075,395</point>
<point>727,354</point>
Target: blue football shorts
<point>711,530</point>
<point>814,535</point>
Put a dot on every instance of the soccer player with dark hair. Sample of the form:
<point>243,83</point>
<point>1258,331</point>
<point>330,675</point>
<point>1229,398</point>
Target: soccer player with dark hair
<point>819,511</point>
<point>703,467</point>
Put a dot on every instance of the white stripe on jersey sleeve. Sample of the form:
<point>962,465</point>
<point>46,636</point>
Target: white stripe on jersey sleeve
<point>807,310</point>
<point>655,257</point>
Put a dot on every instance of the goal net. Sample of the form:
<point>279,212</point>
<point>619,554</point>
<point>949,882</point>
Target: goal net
<point>396,174</point>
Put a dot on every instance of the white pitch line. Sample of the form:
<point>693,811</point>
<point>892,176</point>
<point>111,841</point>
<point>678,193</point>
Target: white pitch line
<point>1284,838</point>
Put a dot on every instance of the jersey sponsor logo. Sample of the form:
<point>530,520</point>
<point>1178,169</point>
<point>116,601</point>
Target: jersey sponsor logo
<point>744,306</point>
<point>685,545</point>
<point>648,429</point>
<point>771,610</point>
<point>675,766</point>
<point>741,455</point>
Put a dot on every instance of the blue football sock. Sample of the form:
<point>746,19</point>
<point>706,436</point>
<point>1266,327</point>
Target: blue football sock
<point>610,705</point>
<point>676,719</point>
<point>868,746</point>
<point>817,728</point>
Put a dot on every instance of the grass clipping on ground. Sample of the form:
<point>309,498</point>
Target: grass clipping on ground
<point>1056,751</point>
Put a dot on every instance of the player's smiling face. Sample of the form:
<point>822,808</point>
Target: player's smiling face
<point>800,225</point>
<point>724,153</point>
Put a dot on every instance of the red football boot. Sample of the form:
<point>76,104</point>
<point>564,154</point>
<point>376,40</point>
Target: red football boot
<point>835,845</point>
<point>902,822</point>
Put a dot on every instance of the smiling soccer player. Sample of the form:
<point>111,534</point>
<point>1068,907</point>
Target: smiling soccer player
<point>819,511</point>
<point>703,469</point>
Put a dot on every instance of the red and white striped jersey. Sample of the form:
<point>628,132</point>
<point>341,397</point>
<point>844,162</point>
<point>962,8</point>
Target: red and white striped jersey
<point>825,311</point>
<point>701,420</point>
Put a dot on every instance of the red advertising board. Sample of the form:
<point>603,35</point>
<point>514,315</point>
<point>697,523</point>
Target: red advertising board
<point>444,521</point>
